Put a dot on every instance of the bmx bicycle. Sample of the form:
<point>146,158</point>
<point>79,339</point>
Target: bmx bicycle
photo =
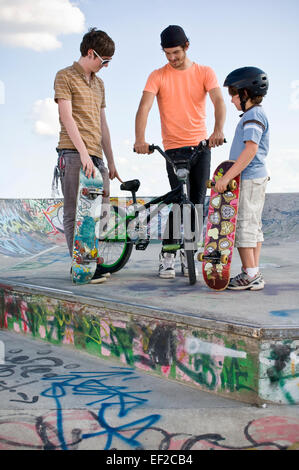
<point>116,243</point>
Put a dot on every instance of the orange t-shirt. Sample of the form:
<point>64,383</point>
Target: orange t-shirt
<point>181,96</point>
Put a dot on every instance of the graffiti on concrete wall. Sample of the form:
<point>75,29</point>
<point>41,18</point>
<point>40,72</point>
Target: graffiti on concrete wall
<point>235,370</point>
<point>216,363</point>
<point>279,375</point>
<point>221,363</point>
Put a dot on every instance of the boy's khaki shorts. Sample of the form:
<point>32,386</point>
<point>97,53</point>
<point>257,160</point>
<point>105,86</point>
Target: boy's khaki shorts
<point>249,221</point>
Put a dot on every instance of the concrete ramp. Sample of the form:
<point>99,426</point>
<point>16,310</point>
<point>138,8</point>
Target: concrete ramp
<point>30,226</point>
<point>241,345</point>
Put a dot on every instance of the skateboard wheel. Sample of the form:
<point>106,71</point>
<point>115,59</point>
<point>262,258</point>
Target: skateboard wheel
<point>224,259</point>
<point>91,193</point>
<point>209,184</point>
<point>85,192</point>
<point>200,257</point>
<point>100,260</point>
<point>93,196</point>
<point>233,185</point>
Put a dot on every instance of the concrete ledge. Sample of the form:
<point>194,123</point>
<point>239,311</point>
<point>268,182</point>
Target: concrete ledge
<point>240,362</point>
<point>205,321</point>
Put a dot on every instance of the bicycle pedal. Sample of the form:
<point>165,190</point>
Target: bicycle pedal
<point>142,245</point>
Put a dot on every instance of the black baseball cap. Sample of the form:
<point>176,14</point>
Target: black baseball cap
<point>173,36</point>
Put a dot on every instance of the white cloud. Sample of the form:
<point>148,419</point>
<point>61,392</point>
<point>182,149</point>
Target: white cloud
<point>45,113</point>
<point>35,24</point>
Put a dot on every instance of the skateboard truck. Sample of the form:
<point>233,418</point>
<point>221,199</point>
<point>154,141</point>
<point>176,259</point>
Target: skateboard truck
<point>91,193</point>
<point>215,257</point>
<point>86,256</point>
<point>232,185</point>
<point>81,259</point>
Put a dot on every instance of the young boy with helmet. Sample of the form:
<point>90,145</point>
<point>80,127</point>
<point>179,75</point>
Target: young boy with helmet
<point>247,87</point>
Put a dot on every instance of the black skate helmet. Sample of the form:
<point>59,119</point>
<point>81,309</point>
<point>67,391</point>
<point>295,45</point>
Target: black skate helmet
<point>253,79</point>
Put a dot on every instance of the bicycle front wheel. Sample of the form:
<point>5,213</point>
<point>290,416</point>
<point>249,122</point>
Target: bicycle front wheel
<point>189,254</point>
<point>189,224</point>
<point>116,249</point>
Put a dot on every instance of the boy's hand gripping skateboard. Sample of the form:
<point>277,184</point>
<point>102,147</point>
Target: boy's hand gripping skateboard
<point>88,213</point>
<point>220,232</point>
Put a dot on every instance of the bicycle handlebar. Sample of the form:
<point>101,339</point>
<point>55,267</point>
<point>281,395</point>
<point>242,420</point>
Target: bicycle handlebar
<point>200,146</point>
<point>203,144</point>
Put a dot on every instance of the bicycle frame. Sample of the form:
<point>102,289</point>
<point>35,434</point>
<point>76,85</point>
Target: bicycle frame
<point>115,244</point>
<point>177,195</point>
<point>121,226</point>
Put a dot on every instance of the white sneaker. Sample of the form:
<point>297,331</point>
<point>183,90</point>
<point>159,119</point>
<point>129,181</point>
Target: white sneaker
<point>260,274</point>
<point>166,267</point>
<point>184,266</point>
<point>244,282</point>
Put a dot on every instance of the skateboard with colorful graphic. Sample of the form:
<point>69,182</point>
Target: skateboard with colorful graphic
<point>220,232</point>
<point>88,212</point>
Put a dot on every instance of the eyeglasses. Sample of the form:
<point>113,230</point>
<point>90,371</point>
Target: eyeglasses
<point>103,61</point>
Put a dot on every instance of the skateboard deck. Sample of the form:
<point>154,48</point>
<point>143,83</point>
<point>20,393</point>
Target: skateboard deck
<point>88,211</point>
<point>220,231</point>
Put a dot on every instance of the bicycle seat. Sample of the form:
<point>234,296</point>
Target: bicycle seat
<point>132,185</point>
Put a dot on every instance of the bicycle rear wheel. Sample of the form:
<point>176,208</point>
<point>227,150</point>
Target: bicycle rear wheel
<point>115,250</point>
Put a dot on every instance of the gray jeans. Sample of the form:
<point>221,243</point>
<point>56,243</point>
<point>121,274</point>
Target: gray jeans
<point>69,177</point>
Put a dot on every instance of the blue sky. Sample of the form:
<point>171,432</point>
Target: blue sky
<point>39,37</point>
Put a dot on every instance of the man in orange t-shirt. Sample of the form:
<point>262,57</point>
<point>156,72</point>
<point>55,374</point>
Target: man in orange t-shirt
<point>181,87</point>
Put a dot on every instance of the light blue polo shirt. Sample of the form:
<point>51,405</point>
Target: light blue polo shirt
<point>253,126</point>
